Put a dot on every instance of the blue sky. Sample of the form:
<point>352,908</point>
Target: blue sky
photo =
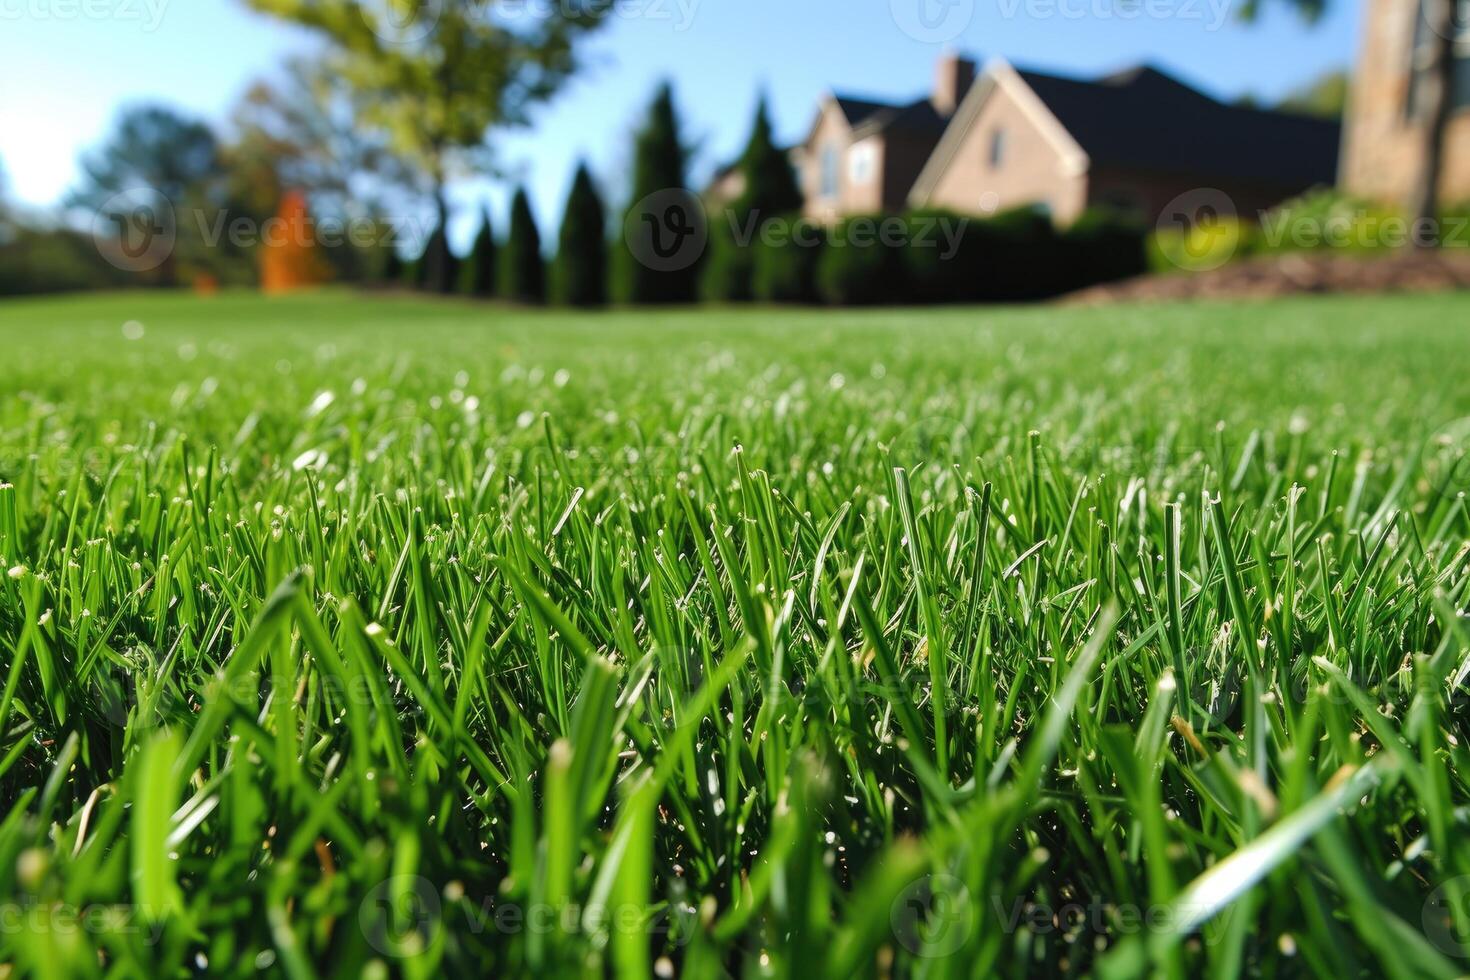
<point>67,65</point>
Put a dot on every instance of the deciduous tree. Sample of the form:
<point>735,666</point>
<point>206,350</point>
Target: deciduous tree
<point>436,76</point>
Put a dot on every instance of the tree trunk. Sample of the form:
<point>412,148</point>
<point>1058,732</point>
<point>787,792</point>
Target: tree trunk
<point>1436,87</point>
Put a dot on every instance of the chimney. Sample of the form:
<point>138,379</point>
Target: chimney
<point>952,79</point>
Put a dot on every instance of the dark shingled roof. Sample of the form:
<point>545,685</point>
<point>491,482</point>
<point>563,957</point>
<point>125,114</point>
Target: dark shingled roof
<point>1142,119</point>
<point>880,117</point>
<point>858,111</point>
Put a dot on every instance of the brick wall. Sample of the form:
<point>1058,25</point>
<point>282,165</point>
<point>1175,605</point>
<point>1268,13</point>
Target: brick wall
<point>1032,170</point>
<point>1380,147</point>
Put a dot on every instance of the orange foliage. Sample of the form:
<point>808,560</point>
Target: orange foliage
<point>288,249</point>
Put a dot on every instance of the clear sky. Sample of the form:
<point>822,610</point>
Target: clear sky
<point>67,65</point>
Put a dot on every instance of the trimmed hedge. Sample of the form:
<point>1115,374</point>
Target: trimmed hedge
<point>941,257</point>
<point>785,268</point>
<point>728,275</point>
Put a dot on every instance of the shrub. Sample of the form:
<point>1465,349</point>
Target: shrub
<point>1202,246</point>
<point>580,274</point>
<point>862,264</point>
<point>1012,256</point>
<point>1103,246</point>
<point>729,267</point>
<point>1329,219</point>
<point>785,270</point>
<point>289,256</point>
<point>522,268</point>
<point>34,261</point>
<point>941,260</point>
<point>1020,254</point>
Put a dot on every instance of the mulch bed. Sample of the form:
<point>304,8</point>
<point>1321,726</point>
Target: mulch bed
<point>1287,275</point>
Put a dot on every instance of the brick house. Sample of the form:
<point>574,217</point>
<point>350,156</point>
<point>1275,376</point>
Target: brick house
<point>863,156</point>
<point>1132,141</point>
<point>1381,145</point>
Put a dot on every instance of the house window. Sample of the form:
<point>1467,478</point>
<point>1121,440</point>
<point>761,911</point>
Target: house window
<point>862,161</point>
<point>997,148</point>
<point>829,171</point>
<point>1423,57</point>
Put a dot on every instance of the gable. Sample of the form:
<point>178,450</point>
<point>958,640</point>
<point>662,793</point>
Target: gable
<point>1000,86</point>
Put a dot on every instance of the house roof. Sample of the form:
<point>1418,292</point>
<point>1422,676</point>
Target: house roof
<point>858,111</point>
<point>1143,119</point>
<point>870,118</point>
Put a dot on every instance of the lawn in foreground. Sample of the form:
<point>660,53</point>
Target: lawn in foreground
<point>370,635</point>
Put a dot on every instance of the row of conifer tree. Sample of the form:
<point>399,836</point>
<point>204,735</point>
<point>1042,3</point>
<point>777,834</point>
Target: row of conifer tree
<point>592,265</point>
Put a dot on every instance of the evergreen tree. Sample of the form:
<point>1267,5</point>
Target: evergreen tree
<point>477,271</point>
<point>771,188</point>
<point>580,274</point>
<point>771,191</point>
<point>659,161</point>
<point>522,270</point>
<point>290,258</point>
<point>437,265</point>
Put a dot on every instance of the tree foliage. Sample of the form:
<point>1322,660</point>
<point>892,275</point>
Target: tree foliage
<point>580,275</point>
<point>153,147</point>
<point>478,269</point>
<point>660,159</point>
<point>769,191</point>
<point>771,187</point>
<point>160,161</point>
<point>437,75</point>
<point>523,270</point>
<point>290,258</point>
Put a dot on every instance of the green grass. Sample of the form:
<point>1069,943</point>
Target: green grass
<point>370,636</point>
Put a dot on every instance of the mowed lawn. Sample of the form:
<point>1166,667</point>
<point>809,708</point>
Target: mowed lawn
<point>379,636</point>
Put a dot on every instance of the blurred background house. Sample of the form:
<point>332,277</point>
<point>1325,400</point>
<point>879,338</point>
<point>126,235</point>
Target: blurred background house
<point>1131,141</point>
<point>863,156</point>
